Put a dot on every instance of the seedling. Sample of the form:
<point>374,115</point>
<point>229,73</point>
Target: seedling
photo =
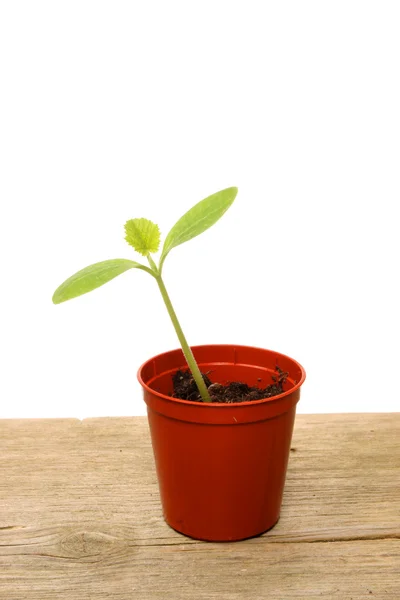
<point>144,236</point>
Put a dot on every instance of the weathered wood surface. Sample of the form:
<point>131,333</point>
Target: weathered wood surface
<point>80,517</point>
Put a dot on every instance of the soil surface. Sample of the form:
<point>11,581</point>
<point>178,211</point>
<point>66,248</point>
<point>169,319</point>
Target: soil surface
<point>185,388</point>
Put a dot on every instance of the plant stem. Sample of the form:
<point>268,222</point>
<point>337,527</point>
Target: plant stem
<point>193,366</point>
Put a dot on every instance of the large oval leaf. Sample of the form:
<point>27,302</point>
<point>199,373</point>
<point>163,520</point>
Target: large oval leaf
<point>92,277</point>
<point>199,218</point>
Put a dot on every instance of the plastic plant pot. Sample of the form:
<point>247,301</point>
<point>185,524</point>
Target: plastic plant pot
<point>221,468</point>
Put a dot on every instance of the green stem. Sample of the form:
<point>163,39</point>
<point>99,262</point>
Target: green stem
<point>193,366</point>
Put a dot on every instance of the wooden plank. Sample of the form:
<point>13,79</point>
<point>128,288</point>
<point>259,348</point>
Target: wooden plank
<point>80,517</point>
<point>209,571</point>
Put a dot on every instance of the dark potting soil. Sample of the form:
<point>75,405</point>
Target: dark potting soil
<point>185,388</point>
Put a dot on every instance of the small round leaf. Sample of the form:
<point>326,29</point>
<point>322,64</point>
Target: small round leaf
<point>143,235</point>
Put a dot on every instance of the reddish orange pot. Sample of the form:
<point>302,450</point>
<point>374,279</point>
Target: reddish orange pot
<point>221,467</point>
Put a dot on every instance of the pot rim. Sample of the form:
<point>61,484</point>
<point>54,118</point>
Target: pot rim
<point>217,405</point>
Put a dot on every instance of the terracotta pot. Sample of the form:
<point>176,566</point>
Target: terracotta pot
<point>221,467</point>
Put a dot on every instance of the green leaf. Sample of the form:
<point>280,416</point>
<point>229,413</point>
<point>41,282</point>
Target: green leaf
<point>143,235</point>
<point>199,218</point>
<point>92,277</point>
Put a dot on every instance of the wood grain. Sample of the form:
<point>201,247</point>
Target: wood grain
<point>80,517</point>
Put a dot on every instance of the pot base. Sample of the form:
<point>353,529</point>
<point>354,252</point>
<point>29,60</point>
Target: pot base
<point>224,540</point>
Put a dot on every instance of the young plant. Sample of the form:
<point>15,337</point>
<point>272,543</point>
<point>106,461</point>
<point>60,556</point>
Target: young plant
<point>144,236</point>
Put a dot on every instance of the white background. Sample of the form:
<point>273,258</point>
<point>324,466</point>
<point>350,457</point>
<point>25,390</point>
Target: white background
<point>115,110</point>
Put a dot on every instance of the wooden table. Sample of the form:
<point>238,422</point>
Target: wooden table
<point>80,517</point>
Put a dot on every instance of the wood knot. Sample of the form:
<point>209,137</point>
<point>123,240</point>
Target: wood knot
<point>83,544</point>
